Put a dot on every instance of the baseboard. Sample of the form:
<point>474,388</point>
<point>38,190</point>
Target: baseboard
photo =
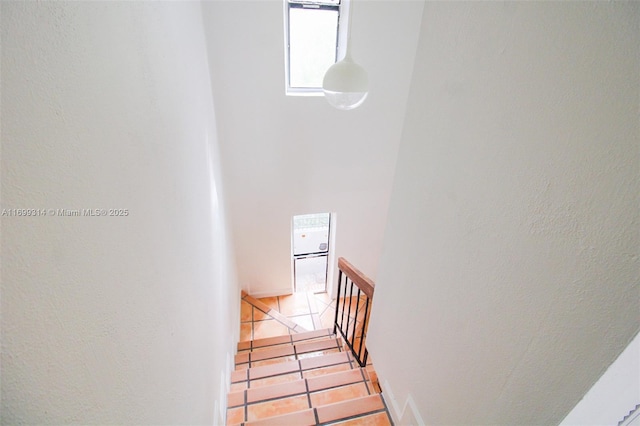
<point>402,414</point>
<point>270,293</point>
<point>220,416</point>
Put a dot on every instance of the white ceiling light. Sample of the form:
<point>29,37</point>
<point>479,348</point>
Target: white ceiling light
<point>346,84</point>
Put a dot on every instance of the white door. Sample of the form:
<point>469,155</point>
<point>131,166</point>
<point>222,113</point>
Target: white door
<point>311,251</point>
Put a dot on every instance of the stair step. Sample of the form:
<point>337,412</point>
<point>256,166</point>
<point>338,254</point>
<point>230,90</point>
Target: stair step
<point>284,340</point>
<point>299,418</point>
<point>346,409</point>
<point>367,410</point>
<point>283,353</point>
<point>377,419</point>
<point>308,385</point>
<point>292,370</point>
<point>285,398</point>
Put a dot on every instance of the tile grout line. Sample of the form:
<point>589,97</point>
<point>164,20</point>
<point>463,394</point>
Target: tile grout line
<point>246,407</point>
<point>310,310</point>
<point>306,385</point>
<point>315,414</point>
<point>365,381</point>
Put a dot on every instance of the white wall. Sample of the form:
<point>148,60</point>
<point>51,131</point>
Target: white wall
<point>112,320</point>
<point>509,278</point>
<point>614,395</point>
<point>284,156</point>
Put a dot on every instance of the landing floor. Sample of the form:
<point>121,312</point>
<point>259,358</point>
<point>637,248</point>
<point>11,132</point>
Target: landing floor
<point>275,316</point>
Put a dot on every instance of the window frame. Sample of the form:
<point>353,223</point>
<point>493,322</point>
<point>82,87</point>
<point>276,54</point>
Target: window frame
<point>342,7</point>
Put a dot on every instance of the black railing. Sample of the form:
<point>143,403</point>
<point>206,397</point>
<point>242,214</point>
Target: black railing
<point>353,328</point>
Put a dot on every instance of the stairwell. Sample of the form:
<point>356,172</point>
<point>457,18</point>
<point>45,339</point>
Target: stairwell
<point>308,378</point>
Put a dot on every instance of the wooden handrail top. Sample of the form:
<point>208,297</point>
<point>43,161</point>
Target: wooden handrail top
<point>363,282</point>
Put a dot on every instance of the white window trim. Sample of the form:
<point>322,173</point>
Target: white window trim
<point>343,22</point>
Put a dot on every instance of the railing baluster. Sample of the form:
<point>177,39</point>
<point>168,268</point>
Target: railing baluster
<point>364,324</point>
<point>344,297</point>
<point>364,285</point>
<point>355,318</point>
<point>335,319</point>
<point>349,314</point>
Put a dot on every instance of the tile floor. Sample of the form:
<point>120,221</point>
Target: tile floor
<point>298,383</point>
<point>308,311</point>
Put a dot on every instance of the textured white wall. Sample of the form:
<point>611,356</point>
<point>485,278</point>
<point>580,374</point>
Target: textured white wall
<point>284,156</point>
<point>510,271</point>
<point>112,320</point>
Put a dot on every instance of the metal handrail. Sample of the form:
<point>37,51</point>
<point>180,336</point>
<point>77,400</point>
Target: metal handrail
<point>365,288</point>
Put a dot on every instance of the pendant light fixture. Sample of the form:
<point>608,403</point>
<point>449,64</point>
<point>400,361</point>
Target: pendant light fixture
<point>346,84</point>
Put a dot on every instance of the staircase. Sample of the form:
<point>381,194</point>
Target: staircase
<point>301,379</point>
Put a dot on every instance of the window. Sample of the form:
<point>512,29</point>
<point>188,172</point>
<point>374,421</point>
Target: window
<point>313,43</point>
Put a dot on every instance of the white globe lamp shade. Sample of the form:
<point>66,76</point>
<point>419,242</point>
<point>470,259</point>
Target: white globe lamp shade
<point>346,84</point>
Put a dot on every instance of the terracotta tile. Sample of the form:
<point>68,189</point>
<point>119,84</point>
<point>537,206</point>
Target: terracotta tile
<point>290,324</point>
<point>326,370</point>
<point>323,298</point>
<point>342,393</point>
<point>294,304</point>
<point>324,361</point>
<point>244,366</point>
<point>245,312</point>
<point>304,347</point>
<point>276,391</point>
<point>235,415</point>
<point>259,315</point>
<point>245,331</point>
<point>317,324</point>
<point>300,418</point>
<point>365,373</point>
<point>333,380</point>
<point>378,419</point>
<point>312,335</point>
<point>272,370</point>
<point>322,308</point>
<point>238,386</point>
<point>313,304</point>
<point>272,352</point>
<point>274,380</point>
<point>270,341</point>
<point>268,328</point>
<point>356,346</point>
<point>350,304</point>
<point>327,317</point>
<point>277,407</point>
<point>354,407</point>
<point>372,388</point>
<point>319,353</point>
<point>235,399</point>
<point>298,329</point>
<point>271,302</point>
<point>304,321</point>
<point>362,311</point>
<point>272,361</point>
<point>266,348</point>
<point>244,345</point>
<point>238,376</point>
<point>242,358</point>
